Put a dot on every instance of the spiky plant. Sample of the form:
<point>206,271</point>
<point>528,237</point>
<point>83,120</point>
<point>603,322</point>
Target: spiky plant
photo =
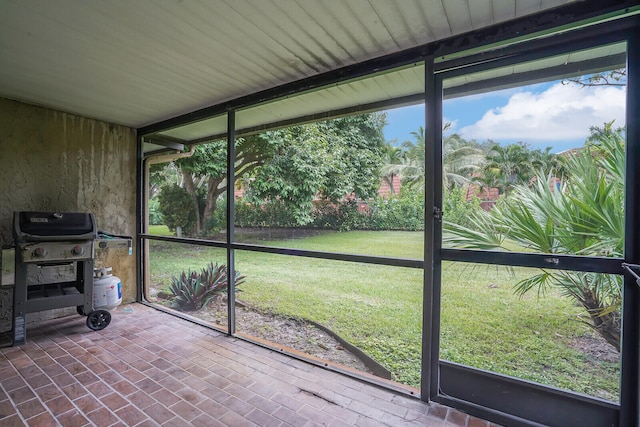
<point>583,216</point>
<point>193,290</point>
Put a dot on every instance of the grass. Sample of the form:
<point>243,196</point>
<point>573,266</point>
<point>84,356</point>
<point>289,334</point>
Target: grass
<point>397,244</point>
<point>379,308</point>
<point>485,325</point>
<point>160,230</point>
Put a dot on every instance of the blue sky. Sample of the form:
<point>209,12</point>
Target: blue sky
<point>552,115</point>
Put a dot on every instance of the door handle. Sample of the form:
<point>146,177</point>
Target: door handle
<point>630,268</point>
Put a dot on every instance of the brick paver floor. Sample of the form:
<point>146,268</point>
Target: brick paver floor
<point>148,368</point>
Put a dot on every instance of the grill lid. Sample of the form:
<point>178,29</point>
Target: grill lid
<point>53,226</point>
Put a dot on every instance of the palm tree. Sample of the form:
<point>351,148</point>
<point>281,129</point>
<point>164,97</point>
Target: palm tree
<point>582,217</point>
<point>460,159</point>
<point>393,164</point>
<point>507,166</point>
<point>413,165</point>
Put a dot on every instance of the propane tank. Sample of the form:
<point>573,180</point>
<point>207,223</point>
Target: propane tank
<point>107,289</point>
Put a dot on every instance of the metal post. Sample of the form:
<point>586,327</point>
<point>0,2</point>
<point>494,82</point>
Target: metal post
<point>19,300</point>
<point>630,382</point>
<point>431,291</point>
<point>84,283</point>
<point>231,180</point>
<point>140,219</point>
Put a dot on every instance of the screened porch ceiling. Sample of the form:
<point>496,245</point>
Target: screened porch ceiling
<point>392,89</point>
<point>139,63</point>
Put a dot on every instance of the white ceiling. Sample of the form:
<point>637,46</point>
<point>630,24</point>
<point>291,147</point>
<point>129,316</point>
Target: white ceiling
<point>391,89</point>
<point>139,62</point>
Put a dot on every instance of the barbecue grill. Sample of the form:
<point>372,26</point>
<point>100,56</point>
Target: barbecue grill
<point>49,240</point>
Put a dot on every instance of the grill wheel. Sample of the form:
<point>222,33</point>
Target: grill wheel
<point>98,320</point>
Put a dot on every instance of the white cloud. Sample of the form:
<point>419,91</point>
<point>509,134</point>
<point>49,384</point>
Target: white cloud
<point>562,112</point>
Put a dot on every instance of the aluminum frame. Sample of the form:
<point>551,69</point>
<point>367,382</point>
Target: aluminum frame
<point>231,215</point>
<point>629,403</point>
<point>482,393</point>
<point>630,354</point>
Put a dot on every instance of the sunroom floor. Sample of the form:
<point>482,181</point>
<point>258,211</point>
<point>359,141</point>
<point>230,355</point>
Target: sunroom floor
<point>149,368</point>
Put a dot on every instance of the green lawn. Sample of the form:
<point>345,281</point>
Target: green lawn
<point>160,230</point>
<point>379,308</point>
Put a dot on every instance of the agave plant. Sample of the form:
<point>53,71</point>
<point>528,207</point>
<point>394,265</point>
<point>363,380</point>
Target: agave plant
<point>583,216</point>
<point>193,290</point>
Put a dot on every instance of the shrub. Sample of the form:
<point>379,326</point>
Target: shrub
<point>176,207</point>
<point>271,213</point>
<point>219,219</point>
<point>457,209</point>
<point>155,217</point>
<point>337,216</point>
<point>402,212</point>
<point>193,290</point>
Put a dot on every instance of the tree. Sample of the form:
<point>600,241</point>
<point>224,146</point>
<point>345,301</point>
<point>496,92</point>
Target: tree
<point>617,77</point>
<point>330,159</point>
<point>392,164</point>
<point>412,169</point>
<point>511,165</point>
<point>460,160</point>
<point>333,158</point>
<point>506,167</point>
<point>582,217</point>
<point>161,175</point>
<point>208,166</point>
<point>175,206</point>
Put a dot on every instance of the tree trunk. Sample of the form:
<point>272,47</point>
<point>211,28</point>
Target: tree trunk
<point>212,199</point>
<point>191,190</point>
<point>389,179</point>
<point>607,324</point>
<point>609,328</point>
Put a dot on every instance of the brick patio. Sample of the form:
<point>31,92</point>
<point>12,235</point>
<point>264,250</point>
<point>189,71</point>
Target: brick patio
<point>149,368</point>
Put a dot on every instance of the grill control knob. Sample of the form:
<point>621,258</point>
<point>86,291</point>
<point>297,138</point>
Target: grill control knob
<point>77,250</point>
<point>39,253</point>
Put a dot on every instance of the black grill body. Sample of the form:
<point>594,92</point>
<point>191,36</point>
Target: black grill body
<point>50,240</point>
<point>47,226</point>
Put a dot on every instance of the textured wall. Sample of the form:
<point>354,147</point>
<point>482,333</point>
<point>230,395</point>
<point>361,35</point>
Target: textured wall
<point>54,161</point>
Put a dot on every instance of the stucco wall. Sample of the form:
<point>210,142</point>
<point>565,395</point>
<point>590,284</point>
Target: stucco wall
<point>60,162</point>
